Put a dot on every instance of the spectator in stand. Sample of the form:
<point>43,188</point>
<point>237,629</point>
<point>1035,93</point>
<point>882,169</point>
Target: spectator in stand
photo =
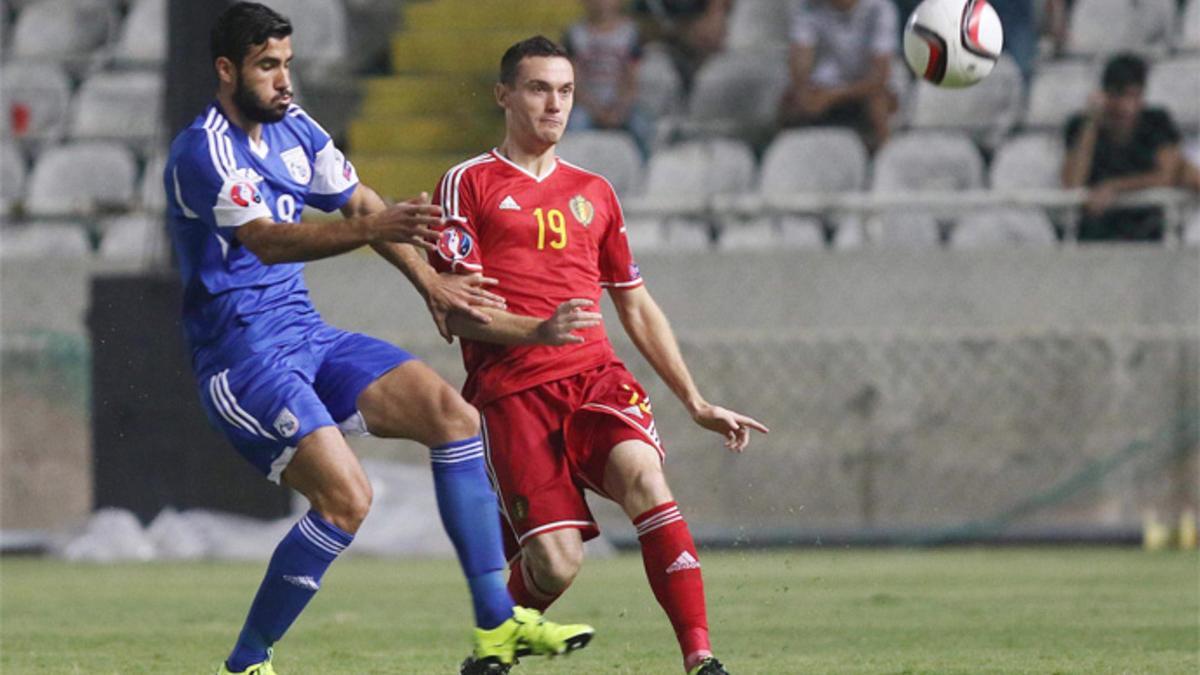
<point>1119,145</point>
<point>841,61</point>
<point>692,30</point>
<point>605,48</point>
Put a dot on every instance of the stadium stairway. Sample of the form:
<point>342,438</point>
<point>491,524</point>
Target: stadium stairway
<point>437,107</point>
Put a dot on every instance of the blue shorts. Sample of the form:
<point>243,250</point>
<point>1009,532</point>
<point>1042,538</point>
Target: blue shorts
<point>265,404</point>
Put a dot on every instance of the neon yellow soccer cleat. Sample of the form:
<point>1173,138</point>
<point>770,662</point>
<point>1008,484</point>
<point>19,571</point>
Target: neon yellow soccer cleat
<point>525,634</point>
<point>263,668</point>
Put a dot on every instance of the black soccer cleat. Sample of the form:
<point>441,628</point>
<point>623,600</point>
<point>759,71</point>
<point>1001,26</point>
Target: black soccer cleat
<point>488,666</point>
<point>709,666</point>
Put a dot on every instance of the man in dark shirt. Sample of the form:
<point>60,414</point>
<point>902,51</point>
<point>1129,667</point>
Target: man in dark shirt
<point>1119,145</point>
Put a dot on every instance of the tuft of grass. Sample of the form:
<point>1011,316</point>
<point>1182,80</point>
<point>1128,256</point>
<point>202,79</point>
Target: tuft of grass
<point>777,613</point>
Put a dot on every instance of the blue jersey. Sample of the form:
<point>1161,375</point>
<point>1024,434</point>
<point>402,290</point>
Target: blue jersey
<point>217,179</point>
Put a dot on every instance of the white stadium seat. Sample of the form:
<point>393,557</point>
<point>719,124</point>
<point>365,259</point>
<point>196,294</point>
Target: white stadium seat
<point>759,22</point>
<point>80,179</point>
<point>143,40</point>
<point>1175,85</point>
<point>1191,229</point>
<point>319,32</point>
<point>12,177</point>
<point>39,95</point>
<point>62,30</point>
<point>660,88</point>
<point>920,162</point>
<point>1003,227</point>
<point>738,93</point>
<point>701,169</point>
<point>133,236</point>
<point>119,105</point>
<point>1189,29</point>
<point>1109,26</point>
<point>610,153</point>
<point>152,195</point>
<point>1059,90</point>
<point>820,159</point>
<point>1029,161</point>
<point>43,240</point>
<point>988,110</point>
<point>927,161</point>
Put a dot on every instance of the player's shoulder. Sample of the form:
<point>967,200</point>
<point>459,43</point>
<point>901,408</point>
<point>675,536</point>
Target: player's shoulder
<point>474,166</point>
<point>585,176</point>
<point>205,144</point>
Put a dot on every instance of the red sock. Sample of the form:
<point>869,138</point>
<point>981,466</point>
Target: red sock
<point>673,568</point>
<point>524,589</point>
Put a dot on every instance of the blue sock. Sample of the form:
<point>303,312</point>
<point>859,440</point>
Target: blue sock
<point>471,517</point>
<point>293,577</point>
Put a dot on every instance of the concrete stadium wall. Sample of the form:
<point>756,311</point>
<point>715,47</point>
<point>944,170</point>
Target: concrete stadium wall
<point>905,389</point>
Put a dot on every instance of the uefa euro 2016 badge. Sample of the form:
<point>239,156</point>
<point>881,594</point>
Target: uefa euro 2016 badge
<point>454,244</point>
<point>286,423</point>
<point>297,164</point>
<point>583,210</point>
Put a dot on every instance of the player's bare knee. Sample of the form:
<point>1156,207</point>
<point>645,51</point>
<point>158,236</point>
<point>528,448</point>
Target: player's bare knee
<point>554,571</point>
<point>347,506</point>
<point>456,419</point>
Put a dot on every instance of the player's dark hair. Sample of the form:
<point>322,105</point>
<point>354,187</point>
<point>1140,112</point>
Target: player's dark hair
<point>244,25</point>
<point>538,45</point>
<point>1123,71</point>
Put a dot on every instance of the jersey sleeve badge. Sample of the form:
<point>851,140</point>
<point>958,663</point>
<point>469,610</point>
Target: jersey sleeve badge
<point>455,244</point>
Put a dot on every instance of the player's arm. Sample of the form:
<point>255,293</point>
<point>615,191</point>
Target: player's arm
<point>506,328</point>
<point>274,242</point>
<point>444,294</point>
<point>651,333</point>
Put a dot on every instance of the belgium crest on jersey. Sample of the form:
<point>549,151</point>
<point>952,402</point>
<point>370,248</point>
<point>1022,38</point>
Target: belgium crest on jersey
<point>583,210</point>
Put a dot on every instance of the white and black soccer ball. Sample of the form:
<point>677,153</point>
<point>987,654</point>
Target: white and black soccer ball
<point>953,43</point>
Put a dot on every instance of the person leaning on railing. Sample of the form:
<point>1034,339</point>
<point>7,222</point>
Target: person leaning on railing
<point>1119,145</point>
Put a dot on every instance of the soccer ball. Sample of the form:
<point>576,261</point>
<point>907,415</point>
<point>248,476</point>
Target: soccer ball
<point>953,43</point>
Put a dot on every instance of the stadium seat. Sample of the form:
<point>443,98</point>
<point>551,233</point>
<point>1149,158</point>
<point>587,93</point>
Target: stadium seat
<point>133,236</point>
<point>759,22</point>
<point>612,154</point>
<point>920,162</point>
<point>320,39</point>
<point>988,110</point>
<point>143,41</point>
<point>1189,29</point>
<point>738,93</point>
<point>123,106</point>
<point>701,169</point>
<point>1109,26</point>
<point>825,159</point>
<point>1191,229</point>
<point>81,179</point>
<point>815,160</point>
<point>1003,227</point>
<point>763,234</point>
<point>12,177</point>
<point>1029,161</point>
<point>1059,90</point>
<point>43,240</point>
<point>660,88</point>
<point>36,99</point>
<point>67,31</point>
<point>151,195</point>
<point>1175,85</point>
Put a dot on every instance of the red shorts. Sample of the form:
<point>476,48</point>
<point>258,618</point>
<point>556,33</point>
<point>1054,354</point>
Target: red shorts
<point>546,444</point>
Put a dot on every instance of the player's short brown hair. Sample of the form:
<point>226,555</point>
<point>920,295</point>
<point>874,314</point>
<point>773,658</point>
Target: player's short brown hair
<point>244,25</point>
<point>538,45</point>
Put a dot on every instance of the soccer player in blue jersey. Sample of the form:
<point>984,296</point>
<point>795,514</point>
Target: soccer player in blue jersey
<point>282,385</point>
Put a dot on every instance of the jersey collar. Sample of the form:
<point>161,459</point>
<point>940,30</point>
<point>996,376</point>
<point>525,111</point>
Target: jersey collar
<point>553,167</point>
<point>259,148</point>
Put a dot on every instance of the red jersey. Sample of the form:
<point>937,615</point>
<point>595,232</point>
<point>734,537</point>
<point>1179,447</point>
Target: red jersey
<point>547,241</point>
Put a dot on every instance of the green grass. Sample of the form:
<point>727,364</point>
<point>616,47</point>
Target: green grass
<point>797,611</point>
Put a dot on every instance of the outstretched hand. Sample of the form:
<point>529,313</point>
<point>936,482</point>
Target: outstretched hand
<point>734,426</point>
<point>409,222</point>
<point>569,317</point>
<point>463,293</point>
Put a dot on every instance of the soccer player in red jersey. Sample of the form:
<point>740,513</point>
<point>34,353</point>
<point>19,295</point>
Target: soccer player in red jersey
<point>560,411</point>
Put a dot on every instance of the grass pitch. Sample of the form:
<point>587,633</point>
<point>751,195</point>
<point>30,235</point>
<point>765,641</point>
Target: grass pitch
<point>784,612</point>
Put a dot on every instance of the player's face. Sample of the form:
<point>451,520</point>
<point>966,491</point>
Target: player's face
<point>538,106</point>
<point>264,82</point>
